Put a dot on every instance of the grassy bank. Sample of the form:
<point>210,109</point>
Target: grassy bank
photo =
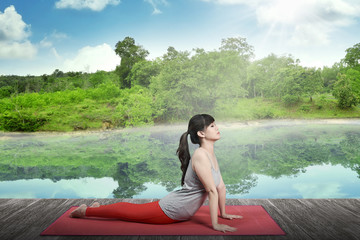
<point>106,108</point>
<point>321,107</point>
<point>103,107</point>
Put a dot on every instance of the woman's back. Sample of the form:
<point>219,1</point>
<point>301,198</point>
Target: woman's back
<point>182,204</point>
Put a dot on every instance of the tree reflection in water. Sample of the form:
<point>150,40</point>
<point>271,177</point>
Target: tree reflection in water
<point>139,156</point>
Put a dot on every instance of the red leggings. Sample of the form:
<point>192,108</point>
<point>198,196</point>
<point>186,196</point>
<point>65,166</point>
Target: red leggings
<point>143,213</point>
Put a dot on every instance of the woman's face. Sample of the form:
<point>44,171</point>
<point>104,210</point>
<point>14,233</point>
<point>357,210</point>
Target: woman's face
<point>212,132</point>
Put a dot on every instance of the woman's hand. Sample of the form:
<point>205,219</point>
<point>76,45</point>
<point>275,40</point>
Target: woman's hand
<point>223,228</point>
<point>230,216</point>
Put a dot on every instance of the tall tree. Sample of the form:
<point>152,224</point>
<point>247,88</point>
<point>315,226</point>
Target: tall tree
<point>329,76</point>
<point>352,57</point>
<point>143,71</point>
<point>170,85</point>
<point>188,85</point>
<point>262,74</point>
<point>312,82</point>
<point>238,45</point>
<point>130,53</point>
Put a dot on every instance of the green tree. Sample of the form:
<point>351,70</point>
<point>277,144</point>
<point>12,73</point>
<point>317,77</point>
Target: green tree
<point>171,54</point>
<point>97,78</point>
<point>312,82</point>
<point>287,81</point>
<point>57,73</point>
<point>171,83</point>
<point>188,85</point>
<point>136,108</point>
<point>220,75</point>
<point>6,91</point>
<point>329,76</point>
<point>130,53</point>
<point>143,71</point>
<point>352,57</point>
<point>346,89</point>
<point>262,73</point>
<point>238,45</point>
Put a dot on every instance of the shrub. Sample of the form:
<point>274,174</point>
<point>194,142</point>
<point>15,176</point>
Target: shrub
<point>305,108</point>
<point>319,106</point>
<point>346,99</point>
<point>21,121</point>
<point>345,93</point>
<point>264,113</point>
<point>5,92</point>
<point>104,91</point>
<point>135,109</point>
<point>321,102</point>
<point>290,100</point>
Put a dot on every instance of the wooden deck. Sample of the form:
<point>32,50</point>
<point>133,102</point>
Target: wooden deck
<point>330,219</point>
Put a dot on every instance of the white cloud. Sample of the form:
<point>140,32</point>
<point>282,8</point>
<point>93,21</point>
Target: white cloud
<point>14,33</point>
<point>48,42</point>
<point>95,5</point>
<point>305,22</point>
<point>80,188</point>
<point>155,4</point>
<point>58,35</point>
<point>12,27</point>
<point>13,50</point>
<point>92,59</point>
<point>55,53</point>
<point>235,2</point>
<point>308,34</point>
<point>319,190</point>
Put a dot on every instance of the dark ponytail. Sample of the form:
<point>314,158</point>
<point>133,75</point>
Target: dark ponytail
<point>197,123</point>
<point>184,155</point>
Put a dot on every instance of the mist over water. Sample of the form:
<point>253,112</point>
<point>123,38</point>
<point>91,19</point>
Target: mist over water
<point>259,159</point>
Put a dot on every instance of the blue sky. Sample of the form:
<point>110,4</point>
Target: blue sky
<point>37,37</point>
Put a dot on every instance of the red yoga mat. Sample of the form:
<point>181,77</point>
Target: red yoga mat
<point>255,221</point>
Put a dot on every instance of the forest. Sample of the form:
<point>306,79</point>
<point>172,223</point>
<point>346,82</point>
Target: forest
<point>225,82</point>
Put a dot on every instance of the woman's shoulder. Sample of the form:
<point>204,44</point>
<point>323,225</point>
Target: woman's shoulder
<point>199,153</point>
<point>199,156</point>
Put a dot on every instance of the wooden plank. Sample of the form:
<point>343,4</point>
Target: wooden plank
<point>347,205</point>
<point>279,209</point>
<point>301,219</point>
<point>314,218</point>
<point>347,222</point>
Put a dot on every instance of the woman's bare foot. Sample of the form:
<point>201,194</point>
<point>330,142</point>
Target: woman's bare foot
<point>95,204</point>
<point>79,212</point>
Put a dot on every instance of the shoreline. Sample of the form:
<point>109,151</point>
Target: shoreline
<point>182,126</point>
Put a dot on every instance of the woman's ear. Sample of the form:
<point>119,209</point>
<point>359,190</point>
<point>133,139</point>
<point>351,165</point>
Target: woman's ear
<point>200,133</point>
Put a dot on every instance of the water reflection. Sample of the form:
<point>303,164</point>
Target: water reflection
<point>272,159</point>
<point>321,181</point>
<point>45,188</point>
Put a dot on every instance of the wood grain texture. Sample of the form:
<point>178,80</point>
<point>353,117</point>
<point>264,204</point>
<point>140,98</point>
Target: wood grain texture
<point>302,219</point>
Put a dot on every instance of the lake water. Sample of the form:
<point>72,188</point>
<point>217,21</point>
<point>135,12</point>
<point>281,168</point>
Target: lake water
<point>260,159</point>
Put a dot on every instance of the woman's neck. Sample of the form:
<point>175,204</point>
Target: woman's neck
<point>208,146</point>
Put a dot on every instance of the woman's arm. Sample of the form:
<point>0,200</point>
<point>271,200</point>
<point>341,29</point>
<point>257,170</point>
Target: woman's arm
<point>202,167</point>
<point>222,199</point>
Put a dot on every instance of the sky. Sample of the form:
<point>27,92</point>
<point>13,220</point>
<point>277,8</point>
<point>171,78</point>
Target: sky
<point>37,37</point>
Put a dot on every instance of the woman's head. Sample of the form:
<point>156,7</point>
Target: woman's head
<point>197,123</point>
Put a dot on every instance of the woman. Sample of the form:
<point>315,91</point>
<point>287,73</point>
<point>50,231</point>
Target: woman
<point>201,178</point>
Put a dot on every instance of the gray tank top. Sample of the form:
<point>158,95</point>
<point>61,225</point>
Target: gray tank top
<point>182,204</point>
